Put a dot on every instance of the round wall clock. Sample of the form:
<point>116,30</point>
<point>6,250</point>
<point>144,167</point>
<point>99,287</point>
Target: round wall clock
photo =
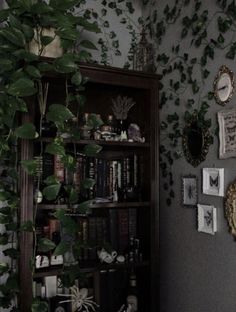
<point>223,85</point>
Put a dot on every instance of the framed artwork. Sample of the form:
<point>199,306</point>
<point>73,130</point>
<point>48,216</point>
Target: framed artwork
<point>213,181</point>
<point>189,190</point>
<point>227,133</point>
<point>207,219</point>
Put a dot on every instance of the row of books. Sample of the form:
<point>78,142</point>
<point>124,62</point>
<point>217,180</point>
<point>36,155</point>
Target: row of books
<point>114,231</point>
<point>115,179</point>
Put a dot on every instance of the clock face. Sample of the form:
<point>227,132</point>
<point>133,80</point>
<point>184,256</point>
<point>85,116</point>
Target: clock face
<point>223,85</point>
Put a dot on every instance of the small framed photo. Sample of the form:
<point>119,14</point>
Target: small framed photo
<point>213,181</point>
<point>207,219</point>
<point>189,190</point>
<point>227,133</point>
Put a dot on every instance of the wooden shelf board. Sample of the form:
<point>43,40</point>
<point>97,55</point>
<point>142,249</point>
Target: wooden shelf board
<point>100,142</point>
<point>98,267</point>
<point>97,206</point>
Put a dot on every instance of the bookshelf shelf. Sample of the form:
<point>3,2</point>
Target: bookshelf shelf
<point>98,206</point>
<point>119,144</point>
<point>92,269</point>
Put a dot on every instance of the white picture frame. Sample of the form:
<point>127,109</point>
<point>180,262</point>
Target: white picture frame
<point>213,181</point>
<point>227,133</point>
<point>189,191</point>
<point>207,221</point>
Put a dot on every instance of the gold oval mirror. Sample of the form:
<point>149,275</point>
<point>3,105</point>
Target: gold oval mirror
<point>230,207</point>
<point>196,140</point>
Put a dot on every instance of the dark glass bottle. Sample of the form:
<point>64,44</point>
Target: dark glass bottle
<point>132,293</point>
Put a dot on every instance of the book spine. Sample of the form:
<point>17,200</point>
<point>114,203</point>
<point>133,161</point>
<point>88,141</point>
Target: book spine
<point>92,252</point>
<point>123,230</point>
<point>59,168</point>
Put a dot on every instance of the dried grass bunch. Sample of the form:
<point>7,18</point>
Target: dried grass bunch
<point>121,106</point>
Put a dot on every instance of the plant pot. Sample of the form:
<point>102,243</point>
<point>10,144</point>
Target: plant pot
<point>53,49</point>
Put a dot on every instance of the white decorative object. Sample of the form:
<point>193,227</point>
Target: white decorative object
<point>207,222</point>
<point>227,133</point>
<point>79,299</point>
<point>53,49</point>
<point>189,190</point>
<point>213,181</point>
<point>41,262</point>
<point>105,256</point>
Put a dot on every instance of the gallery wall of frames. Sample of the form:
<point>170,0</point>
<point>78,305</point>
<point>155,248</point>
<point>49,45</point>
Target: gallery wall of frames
<point>212,179</point>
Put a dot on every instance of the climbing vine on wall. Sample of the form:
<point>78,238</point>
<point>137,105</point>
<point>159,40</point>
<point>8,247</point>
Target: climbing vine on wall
<point>184,73</point>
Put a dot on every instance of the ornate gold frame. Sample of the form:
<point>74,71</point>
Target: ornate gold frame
<point>206,137</point>
<point>230,207</point>
<point>223,70</point>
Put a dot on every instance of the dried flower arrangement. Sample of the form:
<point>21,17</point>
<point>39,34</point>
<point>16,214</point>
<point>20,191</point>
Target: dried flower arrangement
<point>121,106</point>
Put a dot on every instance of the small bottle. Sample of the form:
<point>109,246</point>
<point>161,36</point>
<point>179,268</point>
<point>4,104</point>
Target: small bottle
<point>85,130</point>
<point>132,298</point>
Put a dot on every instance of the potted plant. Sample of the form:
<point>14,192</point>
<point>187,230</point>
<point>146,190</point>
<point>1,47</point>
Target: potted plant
<point>28,29</point>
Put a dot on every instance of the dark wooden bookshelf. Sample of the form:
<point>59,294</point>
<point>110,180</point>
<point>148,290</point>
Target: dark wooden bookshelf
<point>104,84</point>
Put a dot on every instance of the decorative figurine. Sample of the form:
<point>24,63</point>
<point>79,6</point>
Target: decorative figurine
<point>120,107</point>
<point>79,299</point>
<point>105,256</point>
<point>134,133</point>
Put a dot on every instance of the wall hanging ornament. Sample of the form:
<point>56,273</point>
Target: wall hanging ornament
<point>143,55</point>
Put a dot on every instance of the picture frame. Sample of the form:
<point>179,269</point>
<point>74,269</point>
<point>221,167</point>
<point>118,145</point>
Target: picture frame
<point>189,190</point>
<point>227,133</point>
<point>213,181</point>
<point>207,222</point>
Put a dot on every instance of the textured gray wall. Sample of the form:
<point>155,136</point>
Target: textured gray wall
<point>198,271</point>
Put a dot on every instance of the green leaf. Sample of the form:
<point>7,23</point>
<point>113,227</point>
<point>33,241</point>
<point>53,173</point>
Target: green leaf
<point>73,196</point>
<point>12,283</point>
<point>88,183</point>
<point>51,191</point>
<point>45,245</point>
<point>26,131</point>
<point>59,113</point>
<point>30,165</point>
<point>33,71</point>
<point>55,148</point>
<point>62,248</point>
<point>39,306</point>
<point>45,67</point>
<point>27,226</point>
<point>13,35</point>
<point>45,40</point>
<point>92,149</point>
<point>87,44</point>
<point>93,27</point>
<point>4,267</point>
<point>65,64</point>
<point>12,253</point>
<point>4,239</point>
<point>51,180</point>
<point>77,78</point>
<point>22,87</point>
<point>85,206</point>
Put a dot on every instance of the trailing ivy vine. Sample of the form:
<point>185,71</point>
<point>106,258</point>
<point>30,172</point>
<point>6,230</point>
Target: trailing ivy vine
<point>184,74</point>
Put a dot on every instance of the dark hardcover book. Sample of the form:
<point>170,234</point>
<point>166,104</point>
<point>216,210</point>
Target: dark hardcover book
<point>104,286</point>
<point>85,238</point>
<point>99,231</point>
<point>48,166</point>
<point>59,170</point>
<point>99,183</point>
<point>113,229</point>
<point>132,222</point>
<point>92,238</point>
<point>123,231</point>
